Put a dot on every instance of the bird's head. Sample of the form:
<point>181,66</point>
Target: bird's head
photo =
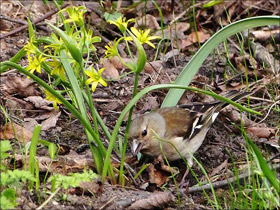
<point>144,131</point>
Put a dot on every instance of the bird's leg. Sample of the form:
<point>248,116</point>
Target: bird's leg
<point>182,182</point>
<point>165,167</point>
<point>190,163</point>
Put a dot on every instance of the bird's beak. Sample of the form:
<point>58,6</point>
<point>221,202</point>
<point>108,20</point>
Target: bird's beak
<point>136,146</point>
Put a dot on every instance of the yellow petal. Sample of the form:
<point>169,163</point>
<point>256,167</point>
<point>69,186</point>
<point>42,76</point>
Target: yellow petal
<point>100,71</point>
<point>102,82</point>
<point>89,81</point>
<point>94,85</point>
<point>154,37</point>
<point>150,43</point>
<point>146,33</point>
<point>134,30</point>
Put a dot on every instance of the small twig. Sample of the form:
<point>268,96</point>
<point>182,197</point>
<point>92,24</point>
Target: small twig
<point>277,102</point>
<point>34,23</point>
<point>106,204</point>
<point>24,23</point>
<point>224,145</point>
<point>48,200</point>
<point>220,183</point>
<point>185,11</point>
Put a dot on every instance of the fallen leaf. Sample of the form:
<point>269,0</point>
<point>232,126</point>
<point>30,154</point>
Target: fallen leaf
<point>261,132</point>
<point>191,39</point>
<point>150,67</point>
<point>12,130</point>
<point>150,103</point>
<point>264,35</point>
<point>170,54</point>
<point>29,123</point>
<point>39,102</point>
<point>19,85</point>
<point>148,21</point>
<point>50,122</point>
<point>110,72</point>
<point>16,103</point>
<point>265,58</point>
<point>63,164</point>
<point>155,200</point>
<point>157,177</point>
<point>86,188</point>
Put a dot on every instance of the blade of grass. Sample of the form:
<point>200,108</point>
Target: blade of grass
<point>192,67</point>
<point>32,152</point>
<point>269,174</point>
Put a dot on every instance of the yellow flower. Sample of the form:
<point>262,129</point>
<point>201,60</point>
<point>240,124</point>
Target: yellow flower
<point>121,23</point>
<point>143,36</point>
<point>95,78</point>
<point>90,40</point>
<point>30,48</point>
<point>58,69</point>
<point>56,44</point>
<point>112,49</point>
<point>53,99</point>
<point>76,15</point>
<point>35,64</point>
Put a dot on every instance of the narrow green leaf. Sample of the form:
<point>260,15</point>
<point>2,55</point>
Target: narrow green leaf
<point>70,43</point>
<point>142,58</point>
<point>269,174</point>
<point>30,31</point>
<point>194,64</point>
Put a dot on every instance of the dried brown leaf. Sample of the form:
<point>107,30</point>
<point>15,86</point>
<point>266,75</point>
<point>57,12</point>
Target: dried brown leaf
<point>111,71</point>
<point>156,200</point>
<point>192,38</point>
<point>261,132</point>
<point>39,102</point>
<point>157,177</point>
<point>50,122</point>
<point>148,21</point>
<point>19,85</point>
<point>12,130</point>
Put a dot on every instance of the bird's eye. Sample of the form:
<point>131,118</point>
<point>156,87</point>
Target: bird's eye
<point>144,132</point>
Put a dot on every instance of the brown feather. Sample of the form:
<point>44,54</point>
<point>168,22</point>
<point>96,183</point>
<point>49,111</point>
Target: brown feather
<point>176,125</point>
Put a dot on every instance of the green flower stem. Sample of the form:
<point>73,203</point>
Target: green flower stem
<point>90,102</point>
<point>127,66</point>
<point>66,84</point>
<point>32,151</point>
<point>194,23</point>
<point>142,57</point>
<point>126,135</point>
<point>82,109</point>
<point>128,48</point>
<point>161,18</point>
<point>155,87</point>
<point>268,173</point>
<point>99,119</point>
<point>95,113</point>
<point>66,25</point>
<point>71,108</point>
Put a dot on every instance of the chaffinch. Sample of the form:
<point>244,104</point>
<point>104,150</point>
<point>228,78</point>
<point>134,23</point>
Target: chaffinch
<point>176,131</point>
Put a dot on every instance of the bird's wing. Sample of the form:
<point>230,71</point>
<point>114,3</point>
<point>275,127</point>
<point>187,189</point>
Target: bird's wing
<point>176,125</point>
<point>204,114</point>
